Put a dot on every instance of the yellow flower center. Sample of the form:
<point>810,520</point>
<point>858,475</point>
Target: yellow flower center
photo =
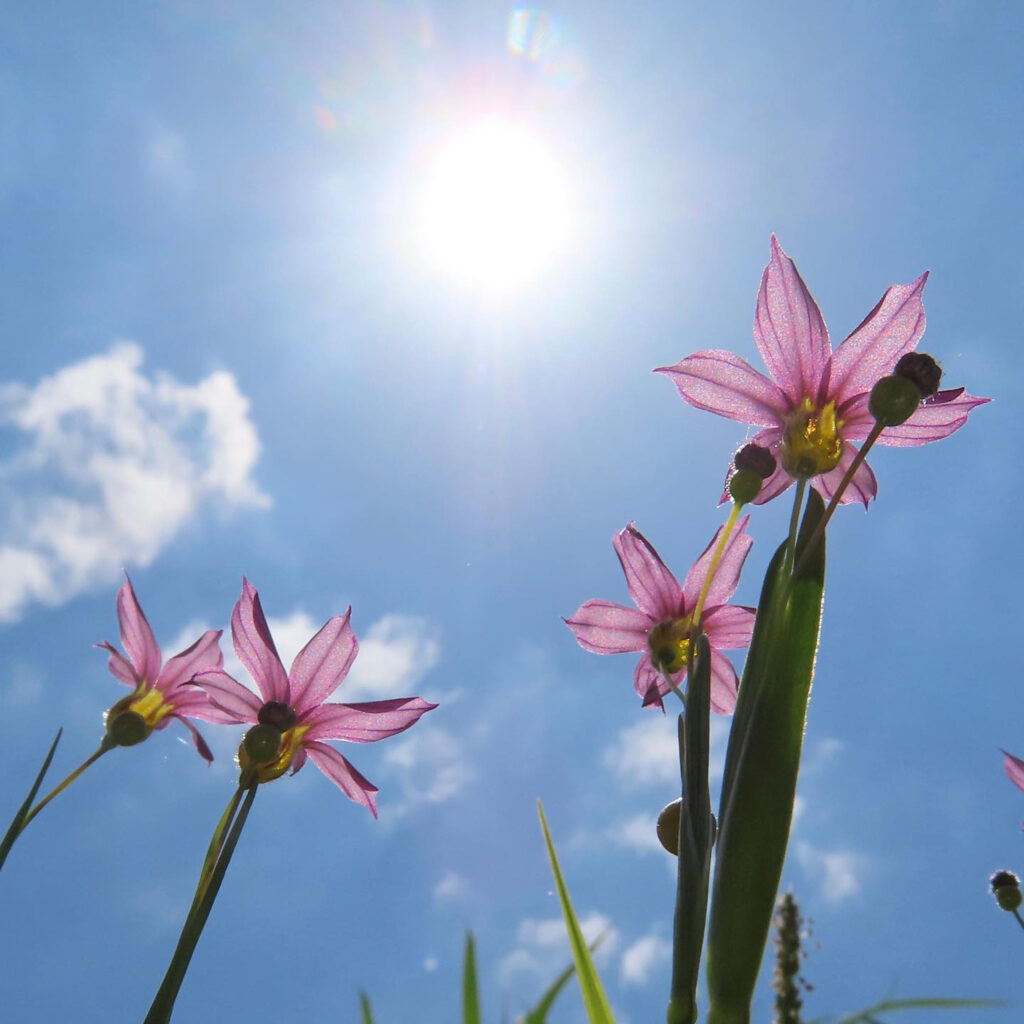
<point>669,643</point>
<point>149,705</point>
<point>291,741</point>
<point>812,444</point>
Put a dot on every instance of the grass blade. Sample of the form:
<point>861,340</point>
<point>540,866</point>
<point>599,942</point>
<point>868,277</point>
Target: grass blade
<point>470,988</point>
<point>366,1011</point>
<point>15,830</point>
<point>539,1014</point>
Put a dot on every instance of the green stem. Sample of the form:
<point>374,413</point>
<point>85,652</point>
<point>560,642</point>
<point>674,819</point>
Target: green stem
<point>163,1003</point>
<point>106,745</point>
<point>1020,920</point>
<point>794,523</point>
<point>715,559</point>
<point>216,845</point>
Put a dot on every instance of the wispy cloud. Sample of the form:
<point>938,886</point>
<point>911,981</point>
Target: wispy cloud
<point>648,752</point>
<point>394,655</point>
<point>642,958</point>
<point>450,888</point>
<point>108,466</point>
<point>836,873</point>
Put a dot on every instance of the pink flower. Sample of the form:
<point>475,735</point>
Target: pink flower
<point>660,625</point>
<point>293,702</point>
<point>160,691</point>
<point>816,401</point>
<point>1014,767</point>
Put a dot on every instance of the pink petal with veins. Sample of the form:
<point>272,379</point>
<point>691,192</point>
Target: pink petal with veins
<point>729,626</point>
<point>365,722</point>
<point>890,330</point>
<point>603,627</point>
<point>650,684</point>
<point>863,487</point>
<point>727,574</point>
<point>721,382</point>
<point>343,775</point>
<point>652,587</point>
<point>320,667</point>
<point>789,330</point>
<point>204,654</point>
<point>136,636</point>
<point>937,417</point>
<point>255,646</point>
<point>724,684</point>
<point>1014,768</point>
<point>197,739</point>
<point>230,695</point>
<point>120,667</point>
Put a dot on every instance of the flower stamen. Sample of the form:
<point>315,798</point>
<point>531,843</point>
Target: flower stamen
<point>812,444</point>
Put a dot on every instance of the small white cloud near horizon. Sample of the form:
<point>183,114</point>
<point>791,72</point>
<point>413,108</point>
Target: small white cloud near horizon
<point>836,873</point>
<point>450,888</point>
<point>108,466</point>
<point>643,957</point>
<point>648,752</point>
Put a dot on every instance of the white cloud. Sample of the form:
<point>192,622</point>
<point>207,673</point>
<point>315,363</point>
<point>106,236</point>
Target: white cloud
<point>639,833</point>
<point>542,949</point>
<point>451,887</point>
<point>643,957</point>
<point>429,766</point>
<point>394,655</point>
<point>648,752</point>
<point>837,873</point>
<point>109,467</point>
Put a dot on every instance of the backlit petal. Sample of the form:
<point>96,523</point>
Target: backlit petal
<point>723,383</point>
<point>120,667</point>
<point>365,722</point>
<point>650,684</point>
<point>936,418</point>
<point>603,627</point>
<point>652,587</point>
<point>320,667</point>
<point>255,647</point>
<point>136,636</point>
<point>343,775</point>
<point>204,654</point>
<point>729,626</point>
<point>1014,767</point>
<point>863,487</point>
<point>789,330</point>
<point>230,695</point>
<point>724,684</point>
<point>727,572</point>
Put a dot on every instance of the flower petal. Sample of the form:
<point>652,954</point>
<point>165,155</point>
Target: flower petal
<point>863,487</point>
<point>789,330</point>
<point>255,646</point>
<point>365,722</point>
<point>727,573</point>
<point>120,667</point>
<point>197,739</point>
<point>192,701</point>
<point>204,654</point>
<point>320,667</point>
<point>653,588</point>
<point>136,636</point>
<point>890,330</point>
<point>937,417</point>
<point>229,695</point>
<point>729,626</point>
<point>723,383</point>
<point>650,684</point>
<point>343,775</point>
<point>1014,767</point>
<point>603,627</point>
<point>724,684</point>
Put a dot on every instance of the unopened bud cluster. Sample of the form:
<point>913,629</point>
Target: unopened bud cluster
<point>753,465</point>
<point>1006,889</point>
<point>895,399</point>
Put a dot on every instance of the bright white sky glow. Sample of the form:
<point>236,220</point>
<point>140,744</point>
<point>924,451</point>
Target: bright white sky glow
<point>495,207</point>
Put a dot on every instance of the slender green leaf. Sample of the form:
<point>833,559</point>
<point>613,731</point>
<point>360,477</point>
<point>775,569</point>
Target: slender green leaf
<point>365,1008</point>
<point>15,830</point>
<point>470,989</point>
<point>925,1003</point>
<point>539,1014</point>
<point>695,840</point>
<point>594,1000</point>
<point>762,763</point>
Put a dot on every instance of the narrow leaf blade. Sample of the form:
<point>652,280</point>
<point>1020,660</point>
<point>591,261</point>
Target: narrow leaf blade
<point>15,830</point>
<point>470,988</point>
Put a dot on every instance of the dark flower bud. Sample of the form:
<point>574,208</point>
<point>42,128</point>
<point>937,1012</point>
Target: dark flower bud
<point>668,826</point>
<point>277,714</point>
<point>922,370</point>
<point>744,486</point>
<point>756,459</point>
<point>126,728</point>
<point>1006,889</point>
<point>894,400</point>
<point>261,743</point>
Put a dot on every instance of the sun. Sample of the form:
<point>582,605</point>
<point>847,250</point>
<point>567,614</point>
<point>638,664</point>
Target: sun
<point>495,208</point>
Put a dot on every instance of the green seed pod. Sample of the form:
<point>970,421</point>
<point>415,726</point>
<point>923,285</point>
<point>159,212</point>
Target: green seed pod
<point>126,728</point>
<point>894,400</point>
<point>262,743</point>
<point>1006,889</point>
<point>668,826</point>
<point>744,486</point>
<point>922,369</point>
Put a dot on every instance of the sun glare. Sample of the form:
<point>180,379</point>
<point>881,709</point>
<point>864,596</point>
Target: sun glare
<point>495,208</point>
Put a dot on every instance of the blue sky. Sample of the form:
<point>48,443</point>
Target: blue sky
<point>223,354</point>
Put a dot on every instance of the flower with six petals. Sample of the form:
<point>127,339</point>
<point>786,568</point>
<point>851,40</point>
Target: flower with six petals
<point>292,704</point>
<point>160,692</point>
<point>661,625</point>
<point>816,401</point>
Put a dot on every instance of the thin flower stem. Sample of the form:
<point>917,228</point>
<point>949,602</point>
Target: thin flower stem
<point>715,559</point>
<point>794,522</point>
<point>216,845</point>
<point>1020,920</point>
<point>106,745</point>
<point>843,484</point>
<point>163,1003</point>
<point>672,686</point>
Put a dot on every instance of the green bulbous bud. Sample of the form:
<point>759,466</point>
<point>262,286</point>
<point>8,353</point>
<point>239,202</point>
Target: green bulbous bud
<point>126,728</point>
<point>922,369</point>
<point>1006,889</point>
<point>668,826</point>
<point>894,400</point>
<point>262,743</point>
<point>744,486</point>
